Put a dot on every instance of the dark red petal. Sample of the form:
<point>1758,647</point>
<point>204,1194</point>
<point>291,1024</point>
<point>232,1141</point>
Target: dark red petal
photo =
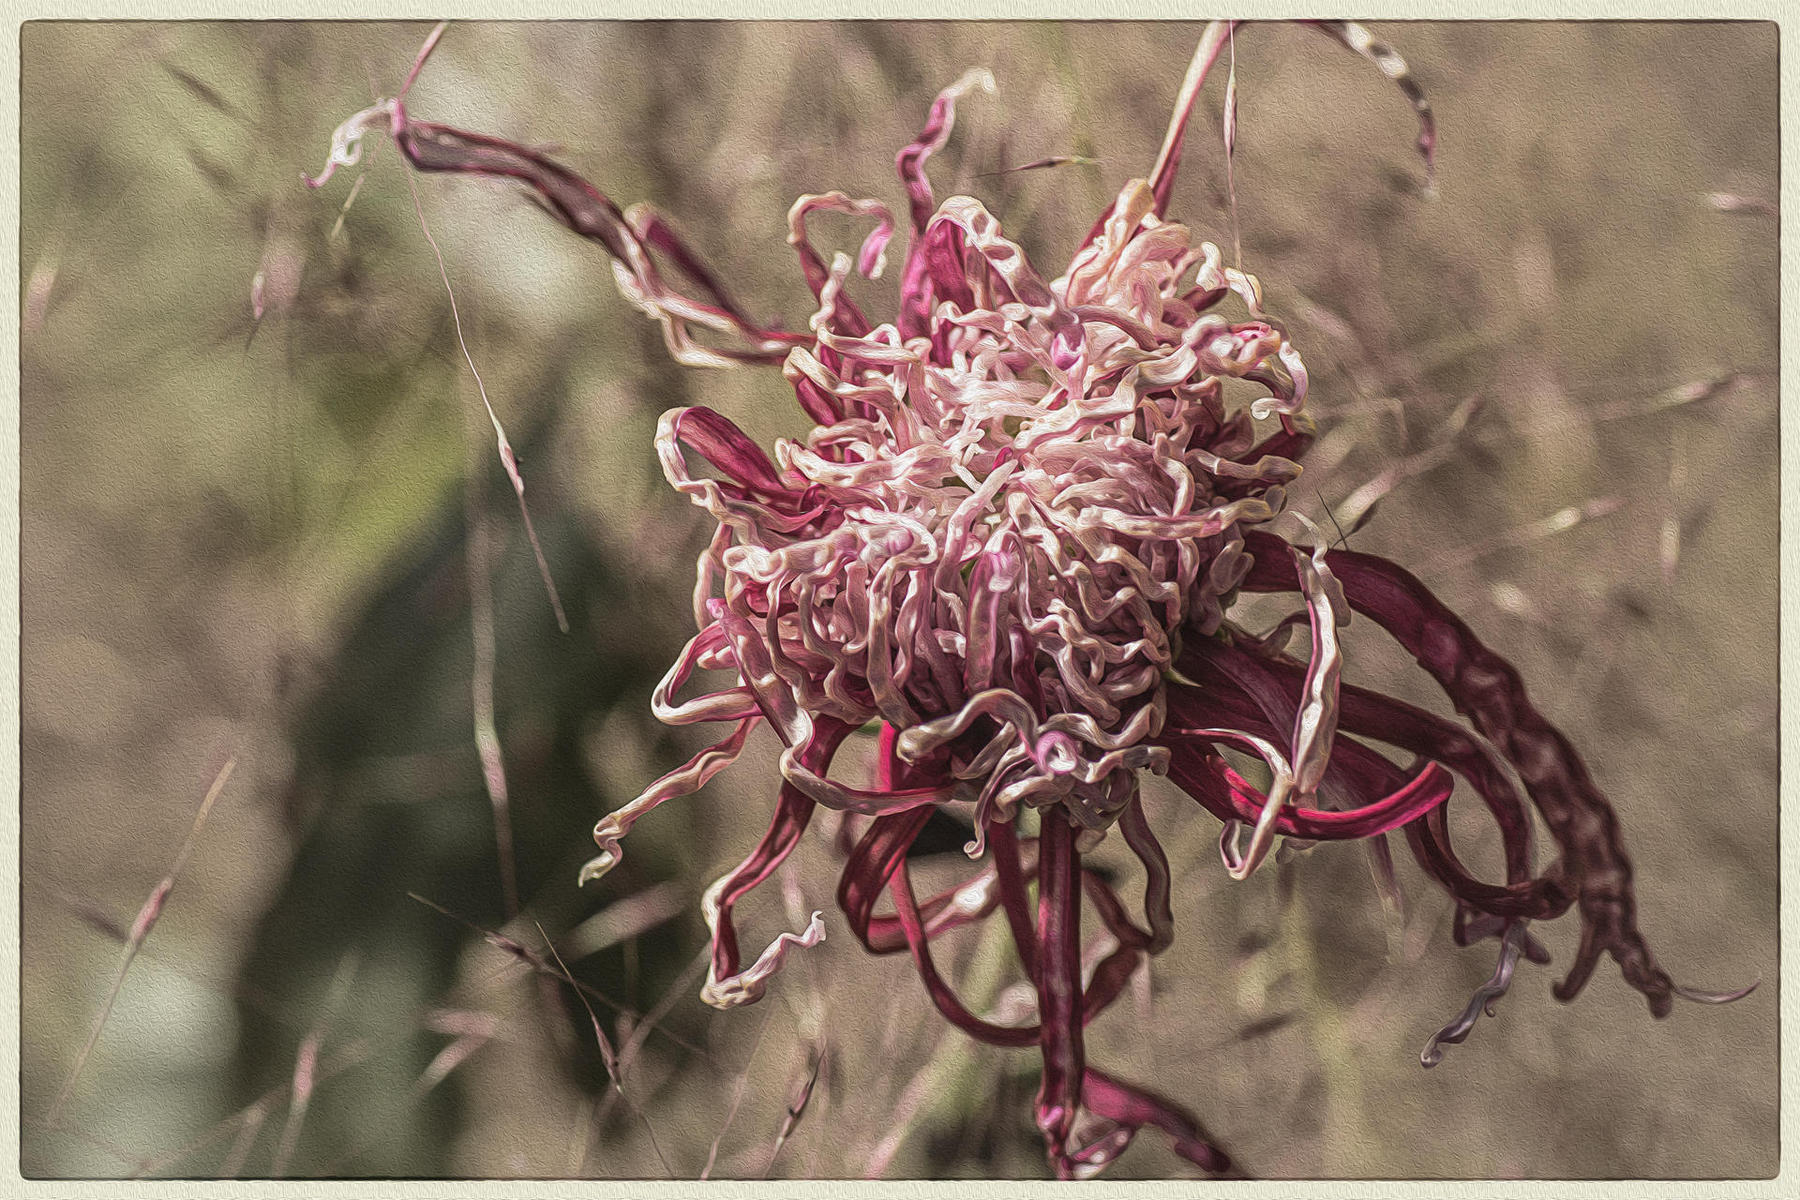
<point>720,442</point>
<point>1143,843</point>
<point>1010,864</point>
<point>1134,1107</point>
<point>1059,982</point>
<point>582,207</point>
<point>1539,899</point>
<point>1365,713</point>
<point>900,887</point>
<point>791,817</point>
<point>876,856</point>
<point>1227,795</point>
<point>1487,689</point>
<point>656,231</point>
<point>1115,970</point>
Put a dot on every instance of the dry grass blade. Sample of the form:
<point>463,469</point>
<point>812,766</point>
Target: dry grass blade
<point>607,1054</point>
<point>337,226</point>
<point>508,459</point>
<point>431,41</point>
<point>1355,38</point>
<point>306,1063</point>
<point>797,1102</point>
<point>140,929</point>
<point>1669,545</point>
<point>306,1067</point>
<point>257,1110</point>
<point>737,1097</point>
<point>1696,391</point>
<point>1343,538</point>
<point>641,1031</point>
<point>1752,206</point>
<point>527,957</point>
<point>471,1032</point>
<point>481,602</point>
<point>906,1110</point>
<point>1039,164</point>
<point>623,921</point>
<point>1560,521</point>
<point>578,1136</point>
<point>249,1127</point>
<point>1355,508</point>
<point>93,916</point>
<point>481,692</point>
<point>42,284</point>
<point>1230,131</point>
<point>204,92</point>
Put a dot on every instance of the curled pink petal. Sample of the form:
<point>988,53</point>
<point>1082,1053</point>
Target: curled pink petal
<point>748,985</point>
<point>691,776</point>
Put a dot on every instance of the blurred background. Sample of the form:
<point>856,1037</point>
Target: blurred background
<point>264,524</point>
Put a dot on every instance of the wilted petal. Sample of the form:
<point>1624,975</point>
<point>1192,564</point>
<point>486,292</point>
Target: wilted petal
<point>691,776</point>
<point>748,985</point>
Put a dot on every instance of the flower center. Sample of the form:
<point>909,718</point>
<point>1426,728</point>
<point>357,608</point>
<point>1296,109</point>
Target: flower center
<point>993,547</point>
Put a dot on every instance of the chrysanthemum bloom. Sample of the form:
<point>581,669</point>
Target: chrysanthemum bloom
<point>1012,541</point>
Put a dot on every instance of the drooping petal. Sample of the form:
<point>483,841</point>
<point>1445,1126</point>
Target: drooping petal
<point>1482,1001</point>
<point>1149,851</point>
<point>1357,39</point>
<point>792,814</point>
<point>748,985</point>
<point>720,442</point>
<point>1315,725</point>
<point>583,208</point>
<point>730,704</point>
<point>1132,947</point>
<point>1273,682</point>
<point>942,997</point>
<point>1133,1107</point>
<point>691,776</point>
<point>871,864</point>
<point>870,260</point>
<point>1488,689</point>
<point>916,285</point>
<point>1059,984</point>
<point>942,119</point>
<point>1168,158</point>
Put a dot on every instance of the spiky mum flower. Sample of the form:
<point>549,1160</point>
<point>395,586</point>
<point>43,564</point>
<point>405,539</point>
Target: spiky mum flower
<point>1012,540</point>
